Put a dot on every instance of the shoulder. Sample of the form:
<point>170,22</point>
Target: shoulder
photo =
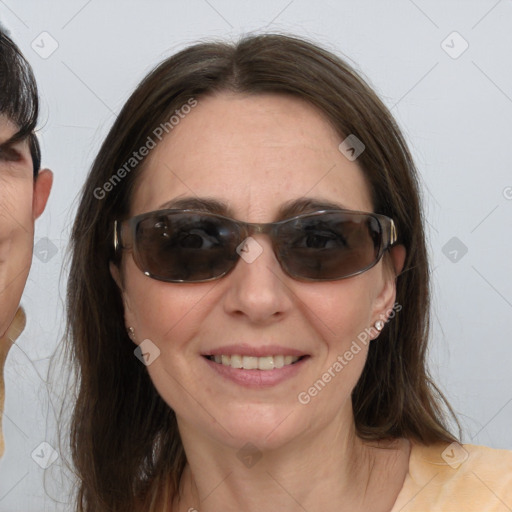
<point>457,477</point>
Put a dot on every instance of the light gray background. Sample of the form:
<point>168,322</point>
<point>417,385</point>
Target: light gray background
<point>456,114</point>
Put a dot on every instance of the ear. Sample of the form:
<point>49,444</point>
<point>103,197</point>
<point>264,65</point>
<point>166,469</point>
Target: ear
<point>129,317</point>
<point>42,186</point>
<point>385,300</point>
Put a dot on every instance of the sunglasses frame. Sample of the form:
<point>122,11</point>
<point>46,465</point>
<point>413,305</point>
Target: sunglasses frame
<point>126,231</point>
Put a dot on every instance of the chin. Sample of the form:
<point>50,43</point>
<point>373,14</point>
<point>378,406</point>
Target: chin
<point>267,427</point>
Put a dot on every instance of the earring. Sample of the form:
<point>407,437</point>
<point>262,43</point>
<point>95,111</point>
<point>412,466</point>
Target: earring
<point>379,325</point>
<point>131,332</point>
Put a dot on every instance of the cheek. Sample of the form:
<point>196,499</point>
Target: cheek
<point>171,316</point>
<point>15,206</point>
<point>341,314</point>
<point>16,241</point>
<point>340,310</point>
<point>163,312</point>
<point>16,223</point>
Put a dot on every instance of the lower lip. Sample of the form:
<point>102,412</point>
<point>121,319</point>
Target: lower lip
<point>257,378</point>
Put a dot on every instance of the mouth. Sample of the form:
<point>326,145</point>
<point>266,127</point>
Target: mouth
<point>265,363</point>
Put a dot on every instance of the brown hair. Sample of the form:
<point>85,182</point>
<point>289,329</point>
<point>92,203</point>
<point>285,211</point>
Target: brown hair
<point>125,440</point>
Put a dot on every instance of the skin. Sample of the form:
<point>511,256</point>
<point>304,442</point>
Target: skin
<point>22,201</point>
<point>256,153</point>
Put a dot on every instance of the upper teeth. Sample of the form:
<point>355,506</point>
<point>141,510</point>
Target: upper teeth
<point>255,363</point>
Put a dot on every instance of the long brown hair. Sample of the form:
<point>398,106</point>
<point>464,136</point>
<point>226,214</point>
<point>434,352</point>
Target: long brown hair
<point>125,440</point>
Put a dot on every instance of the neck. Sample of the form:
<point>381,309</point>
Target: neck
<point>329,470</point>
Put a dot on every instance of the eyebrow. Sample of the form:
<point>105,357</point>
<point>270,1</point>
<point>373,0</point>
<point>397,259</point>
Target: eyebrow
<point>288,209</point>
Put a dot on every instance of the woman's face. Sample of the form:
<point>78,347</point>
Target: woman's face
<point>254,154</point>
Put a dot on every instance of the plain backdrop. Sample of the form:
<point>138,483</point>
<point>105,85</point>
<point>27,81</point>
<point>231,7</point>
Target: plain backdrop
<point>442,67</point>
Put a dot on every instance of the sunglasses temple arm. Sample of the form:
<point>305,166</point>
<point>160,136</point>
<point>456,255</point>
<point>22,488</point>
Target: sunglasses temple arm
<point>392,234</point>
<point>117,242</point>
<point>122,236</point>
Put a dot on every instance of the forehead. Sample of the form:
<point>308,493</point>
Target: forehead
<point>254,153</point>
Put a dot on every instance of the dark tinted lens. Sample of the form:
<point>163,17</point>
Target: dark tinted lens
<point>185,247</point>
<point>329,246</point>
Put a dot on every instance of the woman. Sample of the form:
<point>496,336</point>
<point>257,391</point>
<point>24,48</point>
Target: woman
<point>248,300</point>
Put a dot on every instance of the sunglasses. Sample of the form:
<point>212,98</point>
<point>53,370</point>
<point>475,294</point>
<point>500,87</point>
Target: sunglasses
<point>187,246</point>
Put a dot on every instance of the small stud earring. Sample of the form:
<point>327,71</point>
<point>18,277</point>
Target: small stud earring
<point>379,325</point>
<point>131,332</point>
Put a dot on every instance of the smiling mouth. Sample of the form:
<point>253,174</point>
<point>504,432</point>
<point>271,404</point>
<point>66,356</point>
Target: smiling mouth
<point>255,363</point>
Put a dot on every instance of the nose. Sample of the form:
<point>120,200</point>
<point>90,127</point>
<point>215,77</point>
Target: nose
<point>258,288</point>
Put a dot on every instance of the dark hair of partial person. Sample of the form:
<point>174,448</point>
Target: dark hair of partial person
<point>125,443</point>
<point>19,101</point>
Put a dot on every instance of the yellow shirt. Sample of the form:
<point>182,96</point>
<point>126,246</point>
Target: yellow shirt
<point>453,478</point>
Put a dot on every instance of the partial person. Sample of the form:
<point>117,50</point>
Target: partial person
<point>24,191</point>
